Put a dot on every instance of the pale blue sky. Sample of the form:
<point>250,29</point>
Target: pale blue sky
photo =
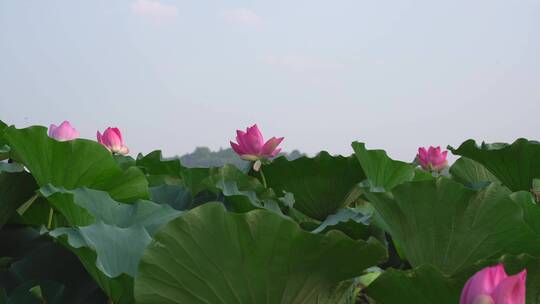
<point>176,74</point>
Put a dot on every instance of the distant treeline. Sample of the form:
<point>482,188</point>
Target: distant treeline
<point>204,157</point>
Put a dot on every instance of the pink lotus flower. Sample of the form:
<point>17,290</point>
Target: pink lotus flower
<point>112,140</point>
<point>492,285</point>
<point>63,132</point>
<point>251,145</point>
<point>432,159</point>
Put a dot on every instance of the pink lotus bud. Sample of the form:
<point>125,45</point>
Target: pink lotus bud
<point>63,132</point>
<point>251,145</point>
<point>432,159</point>
<point>112,140</point>
<point>492,285</point>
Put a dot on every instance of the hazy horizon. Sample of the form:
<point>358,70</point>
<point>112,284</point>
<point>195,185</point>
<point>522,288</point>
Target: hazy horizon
<point>175,75</point>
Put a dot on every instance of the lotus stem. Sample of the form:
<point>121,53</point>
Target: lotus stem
<point>263,177</point>
<point>49,223</point>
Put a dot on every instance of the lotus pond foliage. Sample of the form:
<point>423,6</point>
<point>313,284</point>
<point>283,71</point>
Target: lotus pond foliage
<point>82,221</point>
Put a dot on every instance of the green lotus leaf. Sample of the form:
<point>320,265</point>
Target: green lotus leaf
<point>343,293</point>
<point>427,285</point>
<point>351,222</point>
<point>4,148</point>
<point>102,208</point>
<point>421,174</point>
<point>195,179</point>
<point>154,163</point>
<point>128,186</point>
<point>211,256</point>
<point>73,164</point>
<point>111,236</point>
<point>178,197</point>
<point>443,223</point>
<point>118,249</point>
<point>515,165</point>
<point>124,161</point>
<point>528,240</point>
<point>471,173</point>
<point>383,173</point>
<point>423,285</point>
<point>320,185</point>
<point>4,151</point>
<point>11,167</point>
<point>242,192</point>
<point>159,170</point>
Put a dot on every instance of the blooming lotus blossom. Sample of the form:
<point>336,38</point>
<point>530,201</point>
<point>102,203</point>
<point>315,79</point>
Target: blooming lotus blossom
<point>251,146</point>
<point>63,132</point>
<point>112,140</point>
<point>492,285</point>
<point>432,159</point>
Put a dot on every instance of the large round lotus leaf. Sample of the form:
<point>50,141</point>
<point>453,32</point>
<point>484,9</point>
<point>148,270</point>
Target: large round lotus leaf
<point>471,173</point>
<point>211,256</point>
<point>443,223</point>
<point>515,165</point>
<point>178,197</point>
<point>154,164</point>
<point>117,232</point>
<point>108,237</point>
<point>423,285</point>
<point>320,185</point>
<point>383,173</point>
<point>73,164</point>
<point>349,221</point>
